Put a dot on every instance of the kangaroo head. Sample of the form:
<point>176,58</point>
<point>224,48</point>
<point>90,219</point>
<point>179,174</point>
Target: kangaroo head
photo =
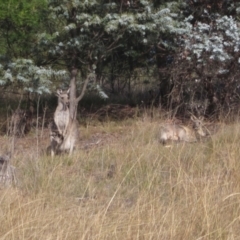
<point>63,98</point>
<point>56,137</point>
<point>198,124</point>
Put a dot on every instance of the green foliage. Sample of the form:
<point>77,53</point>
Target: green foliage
<point>97,36</point>
<point>19,21</point>
<point>24,74</point>
<point>93,32</point>
<point>22,12</point>
<point>87,35</point>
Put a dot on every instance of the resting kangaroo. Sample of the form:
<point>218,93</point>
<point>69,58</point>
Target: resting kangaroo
<point>176,132</point>
<point>64,130</point>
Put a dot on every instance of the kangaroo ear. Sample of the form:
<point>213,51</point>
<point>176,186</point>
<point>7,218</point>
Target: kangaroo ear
<point>59,91</point>
<point>68,91</point>
<point>193,118</point>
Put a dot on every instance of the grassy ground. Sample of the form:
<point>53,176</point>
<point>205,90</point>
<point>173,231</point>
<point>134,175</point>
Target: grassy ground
<point>122,184</point>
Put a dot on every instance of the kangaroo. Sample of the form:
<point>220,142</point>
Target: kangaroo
<point>70,138</point>
<point>56,139</point>
<point>18,123</point>
<point>7,171</point>
<point>64,130</point>
<point>176,132</point>
<point>62,115</point>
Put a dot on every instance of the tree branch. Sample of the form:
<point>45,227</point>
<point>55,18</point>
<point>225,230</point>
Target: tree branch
<point>84,88</point>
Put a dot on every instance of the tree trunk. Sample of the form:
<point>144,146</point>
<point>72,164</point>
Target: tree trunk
<point>73,101</point>
<point>164,76</point>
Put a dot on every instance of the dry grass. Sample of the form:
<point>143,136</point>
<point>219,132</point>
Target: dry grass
<point>122,184</point>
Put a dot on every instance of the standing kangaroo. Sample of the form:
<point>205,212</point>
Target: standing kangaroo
<point>64,134</point>
<point>176,132</point>
<point>62,115</point>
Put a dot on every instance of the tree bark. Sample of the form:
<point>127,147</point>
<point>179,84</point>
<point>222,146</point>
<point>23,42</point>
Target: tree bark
<point>73,103</point>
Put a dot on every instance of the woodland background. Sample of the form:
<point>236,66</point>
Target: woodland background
<point>181,56</point>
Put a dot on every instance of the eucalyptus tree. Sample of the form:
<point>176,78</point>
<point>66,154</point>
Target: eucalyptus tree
<point>88,33</point>
<point>81,36</point>
<point>206,70</point>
